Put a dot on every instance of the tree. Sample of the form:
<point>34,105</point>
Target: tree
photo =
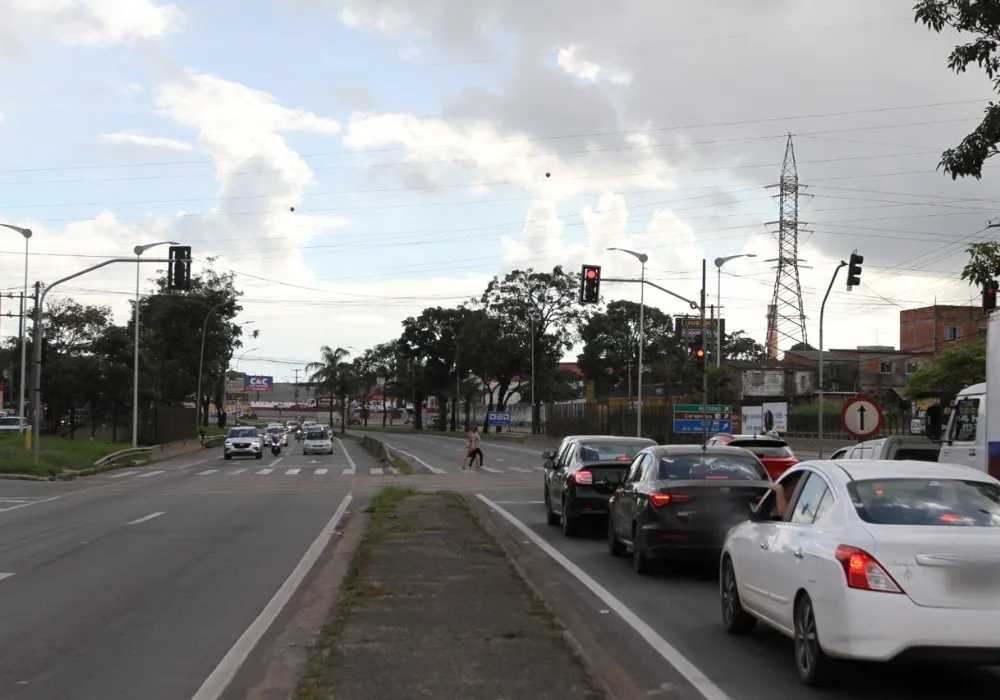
<point>981,20</point>
<point>803,346</point>
<point>611,342</point>
<point>329,374</point>
<point>950,372</point>
<point>385,360</point>
<point>430,342</point>
<point>365,371</point>
<point>983,264</point>
<point>742,348</point>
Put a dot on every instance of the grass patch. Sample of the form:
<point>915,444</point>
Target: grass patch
<point>396,461</point>
<point>382,509</point>
<point>56,454</point>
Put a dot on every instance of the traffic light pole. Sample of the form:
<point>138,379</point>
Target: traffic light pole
<point>693,304</point>
<point>704,359</point>
<point>822,313</point>
<point>36,408</point>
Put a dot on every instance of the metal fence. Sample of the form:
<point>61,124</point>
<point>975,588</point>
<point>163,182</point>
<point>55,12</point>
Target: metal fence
<point>158,425</point>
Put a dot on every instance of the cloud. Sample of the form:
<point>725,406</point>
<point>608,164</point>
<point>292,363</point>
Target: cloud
<point>569,60</point>
<point>130,139</point>
<point>410,52</point>
<point>92,23</point>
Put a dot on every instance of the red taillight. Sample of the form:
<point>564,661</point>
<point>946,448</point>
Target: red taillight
<point>864,572</point>
<point>624,458</point>
<point>663,499</point>
<point>583,478</point>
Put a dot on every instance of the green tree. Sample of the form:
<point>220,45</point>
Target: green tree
<point>984,261</point>
<point>980,20</point>
<point>385,359</point>
<point>740,347</point>
<point>802,346</point>
<point>365,370</point>
<point>950,372</point>
<point>331,375</point>
<point>429,342</point>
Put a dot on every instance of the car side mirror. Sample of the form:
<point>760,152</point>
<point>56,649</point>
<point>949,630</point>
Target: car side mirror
<point>546,455</point>
<point>549,464</point>
<point>933,422</point>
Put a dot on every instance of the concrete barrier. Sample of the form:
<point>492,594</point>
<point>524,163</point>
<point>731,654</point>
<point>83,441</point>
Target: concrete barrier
<point>178,448</point>
<point>376,448</point>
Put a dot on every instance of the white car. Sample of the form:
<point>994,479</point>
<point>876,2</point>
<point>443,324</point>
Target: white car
<point>317,442</point>
<point>242,442</point>
<point>873,560</point>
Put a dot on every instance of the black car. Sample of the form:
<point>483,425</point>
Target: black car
<point>582,475</point>
<point>678,498</point>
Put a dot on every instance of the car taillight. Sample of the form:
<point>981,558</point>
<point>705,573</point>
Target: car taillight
<point>663,499</point>
<point>583,478</point>
<point>864,572</point>
<point>624,458</point>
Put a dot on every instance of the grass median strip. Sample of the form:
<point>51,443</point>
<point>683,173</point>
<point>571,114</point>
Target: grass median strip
<point>56,455</point>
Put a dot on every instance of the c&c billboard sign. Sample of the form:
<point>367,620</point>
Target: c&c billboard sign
<point>258,383</point>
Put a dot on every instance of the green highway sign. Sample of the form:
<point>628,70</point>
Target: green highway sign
<point>699,408</point>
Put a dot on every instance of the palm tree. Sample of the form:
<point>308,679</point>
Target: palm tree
<point>328,374</point>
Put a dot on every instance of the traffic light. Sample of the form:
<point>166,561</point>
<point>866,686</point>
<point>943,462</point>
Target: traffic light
<point>854,270</point>
<point>590,284</point>
<point>990,296</point>
<point>700,361</point>
<point>179,268</point>
<point>45,349</point>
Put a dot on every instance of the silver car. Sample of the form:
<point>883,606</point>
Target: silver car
<point>242,442</point>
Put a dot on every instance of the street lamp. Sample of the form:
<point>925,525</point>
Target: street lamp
<point>643,259</point>
<point>138,250</point>
<point>26,232</point>
<point>719,262</point>
<point>242,355</point>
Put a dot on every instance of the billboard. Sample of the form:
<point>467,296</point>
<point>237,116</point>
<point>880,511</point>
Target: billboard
<point>234,386</point>
<point>689,328</point>
<point>257,382</point>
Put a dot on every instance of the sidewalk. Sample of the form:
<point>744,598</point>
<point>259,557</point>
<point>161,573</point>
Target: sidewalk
<point>434,610</point>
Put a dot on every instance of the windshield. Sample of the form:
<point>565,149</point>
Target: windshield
<point>953,502</point>
<point>10,421</point>
<point>728,467</point>
<point>274,429</point>
<point>316,435</point>
<point>765,448</point>
<point>611,451</point>
<point>242,433</point>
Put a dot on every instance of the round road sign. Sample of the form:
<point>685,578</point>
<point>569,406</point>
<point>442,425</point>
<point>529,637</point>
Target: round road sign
<point>862,417</point>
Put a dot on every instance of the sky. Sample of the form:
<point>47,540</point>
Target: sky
<point>355,161</point>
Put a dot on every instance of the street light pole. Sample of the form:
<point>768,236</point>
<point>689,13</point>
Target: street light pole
<point>719,262</point>
<point>533,399</point>
<point>643,259</point>
<point>138,250</point>
<point>822,312</point>
<point>27,233</point>
<point>201,363</point>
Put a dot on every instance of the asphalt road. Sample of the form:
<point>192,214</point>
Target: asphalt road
<point>136,583</point>
<point>681,607</point>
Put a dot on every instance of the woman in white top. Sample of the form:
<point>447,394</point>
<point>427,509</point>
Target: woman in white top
<point>472,450</point>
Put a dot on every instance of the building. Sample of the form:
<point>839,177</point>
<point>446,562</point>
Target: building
<point>840,373</point>
<point>934,329</point>
<point>882,370</point>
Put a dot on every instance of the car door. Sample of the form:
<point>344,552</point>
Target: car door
<point>964,439</point>
<point>790,564</point>
<point>618,506</point>
<point>627,505</point>
<point>550,471</point>
<point>560,473</point>
<point>752,553</point>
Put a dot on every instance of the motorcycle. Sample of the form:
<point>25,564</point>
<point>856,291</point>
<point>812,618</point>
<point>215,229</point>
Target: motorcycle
<point>276,447</point>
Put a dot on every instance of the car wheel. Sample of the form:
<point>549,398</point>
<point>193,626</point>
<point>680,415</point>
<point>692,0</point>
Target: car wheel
<point>226,456</point>
<point>258,456</point>
<point>570,526</point>
<point>814,666</point>
<point>615,546</point>
<point>640,562</point>
<point>735,619</point>
<point>550,517</point>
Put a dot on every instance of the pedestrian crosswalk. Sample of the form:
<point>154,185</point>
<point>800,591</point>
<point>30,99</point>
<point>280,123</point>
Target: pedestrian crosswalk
<point>306,472</point>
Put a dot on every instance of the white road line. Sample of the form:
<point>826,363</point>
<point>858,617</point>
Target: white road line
<point>206,472</point>
<point>541,469</point>
<point>119,475</point>
<point>492,470</point>
<point>376,470</point>
<point>236,471</point>
<point>321,472</point>
<point>497,459</point>
<point>520,469</point>
<point>264,471</point>
<point>350,460</point>
<point>149,474</point>
<point>433,470</point>
<point>216,684</point>
<point>669,653</point>
<point>292,472</point>
<point>275,462</point>
<point>3,576</point>
<point>395,470</point>
<point>148,517</point>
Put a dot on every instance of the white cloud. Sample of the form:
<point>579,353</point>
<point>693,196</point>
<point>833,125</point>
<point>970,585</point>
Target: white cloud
<point>92,23</point>
<point>569,60</point>
<point>382,20</point>
<point>130,139</point>
<point>410,52</point>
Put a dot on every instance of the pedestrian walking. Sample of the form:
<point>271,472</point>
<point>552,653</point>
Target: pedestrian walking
<point>472,450</point>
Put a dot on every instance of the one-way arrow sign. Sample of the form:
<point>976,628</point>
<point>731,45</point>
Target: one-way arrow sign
<point>862,417</point>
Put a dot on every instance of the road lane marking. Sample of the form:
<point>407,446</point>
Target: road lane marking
<point>236,471</point>
<point>264,471</point>
<point>395,470</point>
<point>149,474</point>
<point>376,470</point>
<point>216,684</point>
<point>492,470</point>
<point>206,472</point>
<point>148,517</point>
<point>121,474</point>
<point>3,576</point>
<point>291,472</point>
<point>433,470</point>
<point>275,462</point>
<point>321,472</point>
<point>350,460</point>
<point>669,653</point>
<point>520,469</point>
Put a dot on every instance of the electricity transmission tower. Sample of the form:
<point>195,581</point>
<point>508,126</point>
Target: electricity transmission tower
<point>786,317</point>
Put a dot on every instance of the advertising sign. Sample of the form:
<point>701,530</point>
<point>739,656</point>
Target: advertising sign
<point>753,420</point>
<point>258,383</point>
<point>775,417</point>
<point>498,418</point>
<point>689,328</point>
<point>234,386</point>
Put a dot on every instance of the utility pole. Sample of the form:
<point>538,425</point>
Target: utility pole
<point>704,373</point>
<point>297,386</point>
<point>822,313</point>
<point>533,399</point>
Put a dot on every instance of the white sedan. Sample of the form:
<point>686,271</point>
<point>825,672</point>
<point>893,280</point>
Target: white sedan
<point>872,560</point>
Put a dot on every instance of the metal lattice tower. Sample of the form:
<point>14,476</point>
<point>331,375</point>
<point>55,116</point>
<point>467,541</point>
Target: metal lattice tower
<point>787,318</point>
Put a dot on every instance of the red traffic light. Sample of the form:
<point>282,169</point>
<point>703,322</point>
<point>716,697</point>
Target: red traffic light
<point>592,274</point>
<point>699,353</point>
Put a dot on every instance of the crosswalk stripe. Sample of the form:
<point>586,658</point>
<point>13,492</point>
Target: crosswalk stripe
<point>395,470</point>
<point>206,472</point>
<point>350,471</point>
<point>376,470</point>
<point>121,474</point>
<point>492,470</point>
<point>264,471</point>
<point>236,471</point>
<point>291,472</point>
<point>321,472</point>
<point>149,474</point>
<point>519,469</point>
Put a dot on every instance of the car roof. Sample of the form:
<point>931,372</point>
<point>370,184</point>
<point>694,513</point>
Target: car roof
<point>613,438</point>
<point>906,468</point>
<point>752,438</point>
<point>698,449</point>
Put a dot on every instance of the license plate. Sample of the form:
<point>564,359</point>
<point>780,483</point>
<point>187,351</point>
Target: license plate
<point>975,580</point>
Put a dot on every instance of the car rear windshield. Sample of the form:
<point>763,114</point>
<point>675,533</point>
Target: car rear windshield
<point>917,454</point>
<point>10,421</point>
<point>316,435</point>
<point>611,451</point>
<point>729,467</point>
<point>927,502</point>
<point>242,433</point>
<point>765,448</point>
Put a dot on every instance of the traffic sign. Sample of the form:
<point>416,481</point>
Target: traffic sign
<point>862,417</point>
<point>688,418</point>
<point>501,418</point>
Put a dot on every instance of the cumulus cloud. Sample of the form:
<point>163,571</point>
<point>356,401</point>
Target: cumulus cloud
<point>131,139</point>
<point>91,23</point>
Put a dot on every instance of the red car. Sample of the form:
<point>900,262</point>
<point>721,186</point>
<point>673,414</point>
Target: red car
<point>773,452</point>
